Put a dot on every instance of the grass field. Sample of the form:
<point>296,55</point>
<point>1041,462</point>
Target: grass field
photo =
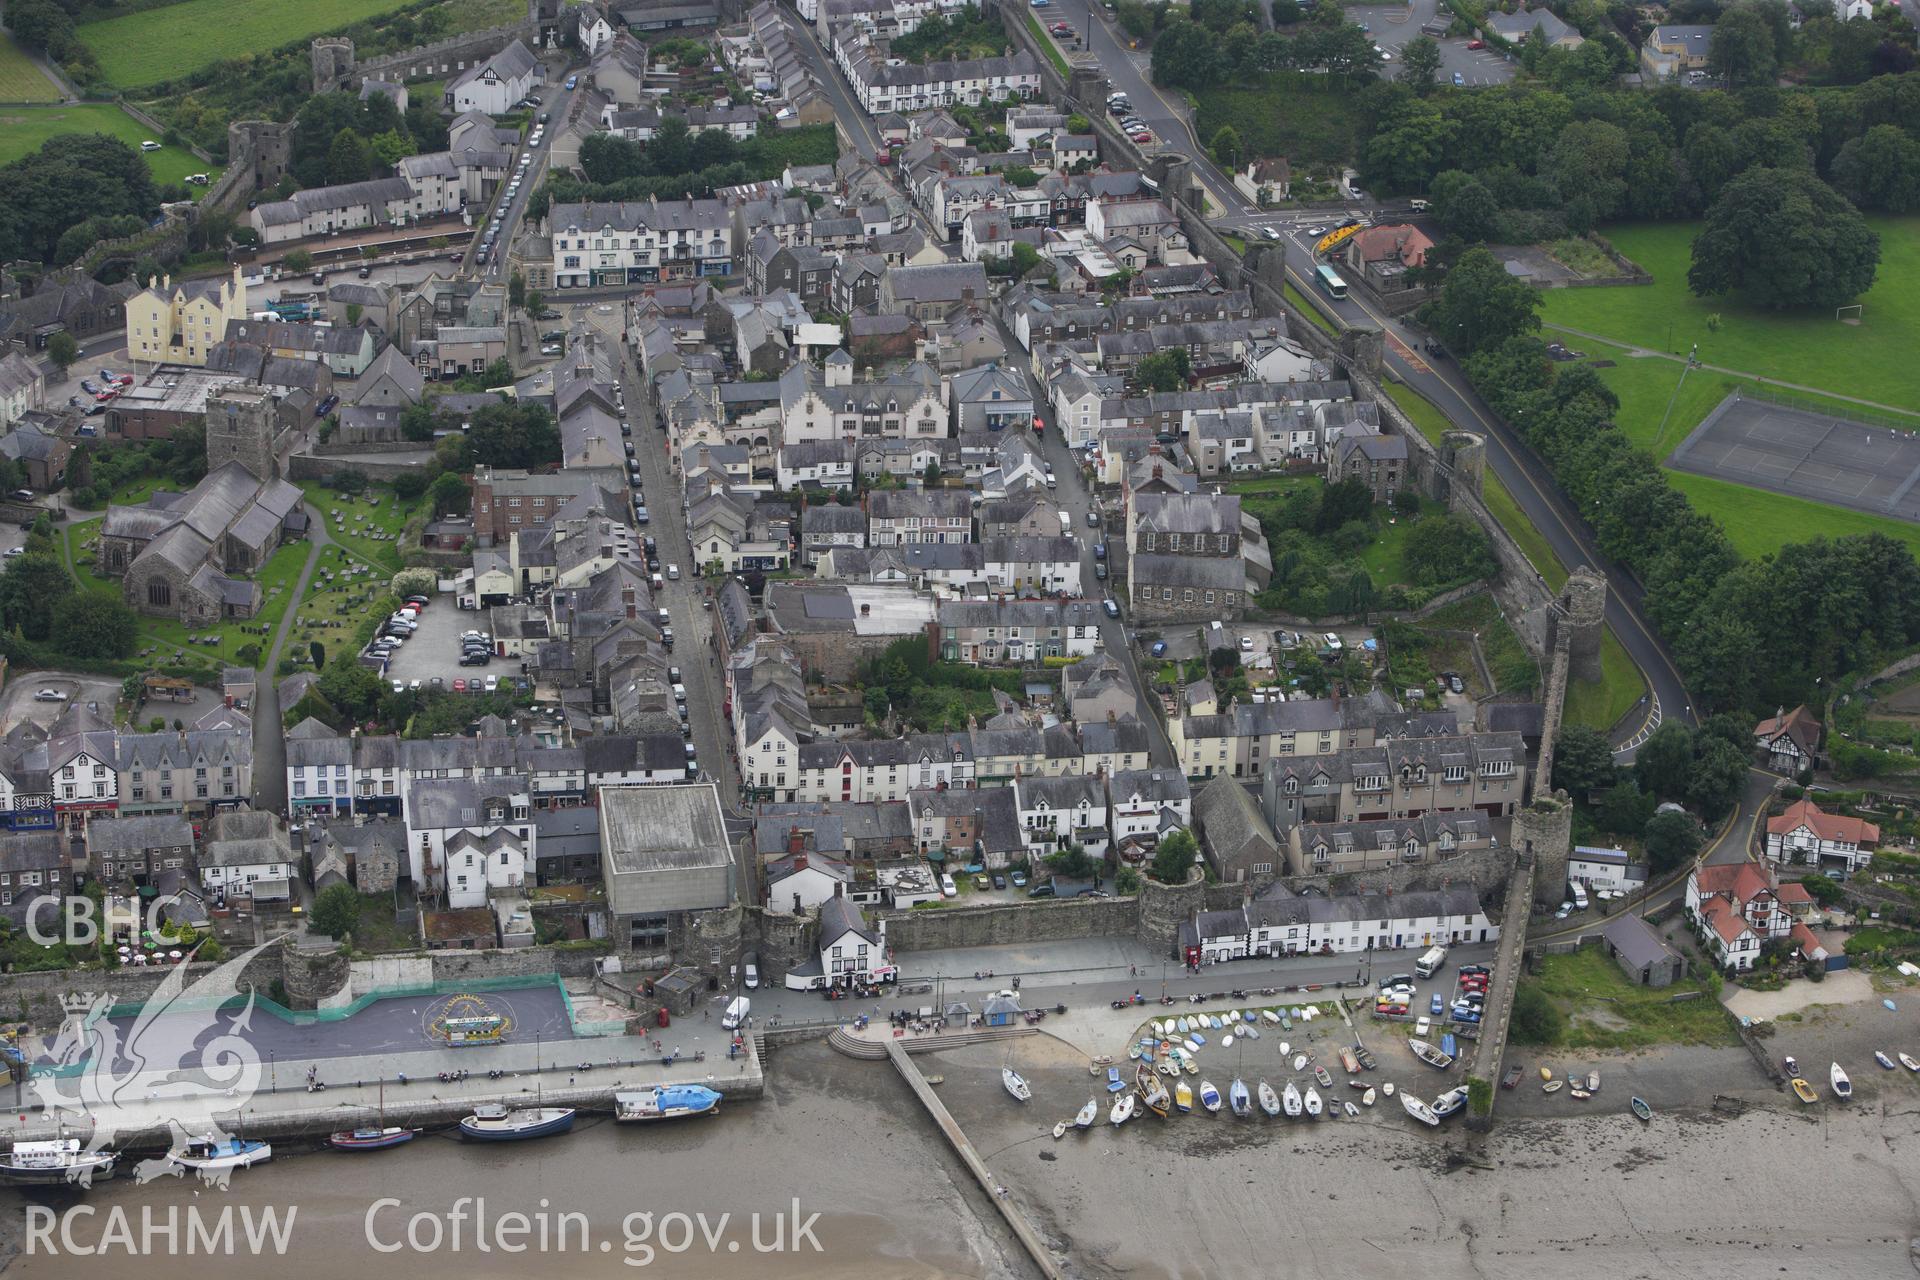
<point>23,130</point>
<point>157,45</point>
<point>1605,1011</point>
<point>20,79</point>
<point>1871,360</point>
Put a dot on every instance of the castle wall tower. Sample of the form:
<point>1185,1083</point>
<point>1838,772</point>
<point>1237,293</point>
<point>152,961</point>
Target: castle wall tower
<point>333,61</point>
<point>1582,618</point>
<point>1465,453</point>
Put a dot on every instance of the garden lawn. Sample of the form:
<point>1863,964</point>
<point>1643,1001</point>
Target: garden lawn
<point>383,514</point>
<point>1872,360</point>
<point>20,79</point>
<point>1605,1011</point>
<point>22,131</point>
<point>1385,558</point>
<point>157,45</point>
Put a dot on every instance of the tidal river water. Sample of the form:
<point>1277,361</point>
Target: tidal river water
<point>1698,1193</point>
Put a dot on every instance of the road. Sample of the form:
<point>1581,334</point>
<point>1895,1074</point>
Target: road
<point>826,73</point>
<point>692,622</point>
<point>1525,476</point>
<point>556,104</point>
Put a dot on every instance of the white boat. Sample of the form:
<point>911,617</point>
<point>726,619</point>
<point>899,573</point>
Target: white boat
<point>495,1123</point>
<point>1159,1028</point>
<point>665,1102</point>
<point>1366,1099</point>
<point>1269,1100</point>
<point>1226,1041</point>
<point>1273,1019</point>
<point>1299,1062</point>
<point>57,1163</point>
<point>1285,1048</point>
<point>1551,1086</point>
<point>1842,1087</point>
<point>1351,1109</point>
<point>1250,1031</point>
<point>1060,1131</point>
<point>1883,1059</point>
<point>1122,1110</point>
<point>1016,1084</point>
<point>1238,1098</point>
<point>1209,1096</point>
<point>1419,1110</point>
<point>1430,1054</point>
<point>1233,1015</point>
<point>1909,1062</point>
<point>1310,1012</point>
<point>206,1155</point>
<point>1387,1088</point>
<point>1088,1114</point>
<point>1312,1101</point>
<point>1191,1046</point>
<point>1290,1100</point>
<point>1450,1101</point>
<point>1593,1080</point>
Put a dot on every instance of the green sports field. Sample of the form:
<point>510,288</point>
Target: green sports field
<point>20,80</point>
<point>157,45</point>
<point>23,129</point>
<point>1872,360</point>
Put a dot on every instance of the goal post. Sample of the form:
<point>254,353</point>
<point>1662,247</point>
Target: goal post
<point>1849,314</point>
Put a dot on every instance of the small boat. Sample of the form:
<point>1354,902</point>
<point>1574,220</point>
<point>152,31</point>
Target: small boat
<point>1387,1088</point>
<point>1193,1068</point>
<point>1348,1061</point>
<point>495,1123</point>
<point>1419,1110</point>
<point>1883,1059</point>
<point>1311,1099</point>
<point>207,1155</point>
<point>1290,1100</point>
<point>1449,1046</point>
<point>1249,1032</point>
<point>374,1139</point>
<point>1804,1091</point>
<point>1286,1022</point>
<point>1159,1028</point>
<point>1183,1097</point>
<point>1351,1109</point>
<point>1180,1025</point>
<point>1239,1099</point>
<point>667,1102</point>
<point>1546,1073</point>
<point>1285,1048</point>
<point>1209,1096</point>
<point>1367,1062</point>
<point>1640,1108</point>
<point>1450,1101</point>
<point>1428,1054</point>
<point>1269,1100</point>
<point>1060,1131</point>
<point>1088,1114</point>
<point>1299,1062</point>
<point>1196,1041</point>
<point>1366,1099</point>
<point>1114,1083</point>
<point>1575,1092</point>
<point>1154,1094</point>
<point>1792,1066</point>
<point>1191,1045</point>
<point>1169,1068</point>
<point>1842,1087</point>
<point>1593,1080</point>
<point>1909,1063</point>
<point>1321,1074</point>
<point>1017,1084</point>
<point>1122,1110</point>
<point>1552,1086</point>
<point>1232,1015</point>
<point>57,1163</point>
<point>1133,1053</point>
<point>1272,1018</point>
<point>1891,1007</point>
<point>1226,1041</point>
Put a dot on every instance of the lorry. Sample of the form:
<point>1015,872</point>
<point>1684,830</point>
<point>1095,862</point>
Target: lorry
<point>1429,963</point>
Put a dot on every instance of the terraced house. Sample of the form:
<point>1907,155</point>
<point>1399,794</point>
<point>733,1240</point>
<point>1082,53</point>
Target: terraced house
<point>1397,779</point>
<point>639,242</point>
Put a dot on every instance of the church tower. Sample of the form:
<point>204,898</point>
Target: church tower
<point>240,429</point>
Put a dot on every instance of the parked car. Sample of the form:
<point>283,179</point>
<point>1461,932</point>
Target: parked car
<point>1111,606</point>
<point>1019,879</point>
<point>948,889</point>
<point>49,695</point>
<point>1045,890</point>
<point>1476,44</point>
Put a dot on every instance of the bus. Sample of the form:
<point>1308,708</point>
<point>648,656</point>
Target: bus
<point>1330,282</point>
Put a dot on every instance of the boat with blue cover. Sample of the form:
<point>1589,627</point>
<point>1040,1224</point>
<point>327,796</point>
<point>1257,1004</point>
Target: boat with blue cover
<point>665,1102</point>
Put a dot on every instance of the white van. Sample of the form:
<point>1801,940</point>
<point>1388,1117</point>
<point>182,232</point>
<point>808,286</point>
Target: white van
<point>736,1015</point>
<point>1579,895</point>
<point>1429,964</point>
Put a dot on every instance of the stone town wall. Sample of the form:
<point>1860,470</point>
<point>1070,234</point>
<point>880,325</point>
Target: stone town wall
<point>36,997</point>
<point>941,928</point>
<point>443,58</point>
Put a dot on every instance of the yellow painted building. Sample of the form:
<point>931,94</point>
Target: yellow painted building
<point>171,323</point>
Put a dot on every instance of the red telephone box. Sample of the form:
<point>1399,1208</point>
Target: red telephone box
<point>662,1018</point>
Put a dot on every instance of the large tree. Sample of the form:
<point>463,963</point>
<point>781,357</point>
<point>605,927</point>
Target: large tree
<point>29,589</point>
<point>1464,207</point>
<point>1582,761</point>
<point>1664,762</point>
<point>1782,238</point>
<point>1742,48</point>
<point>1880,170</point>
<point>94,625</point>
<point>1420,63</point>
<point>512,434</point>
<point>1481,306</point>
<point>1672,838</point>
<point>1719,776</point>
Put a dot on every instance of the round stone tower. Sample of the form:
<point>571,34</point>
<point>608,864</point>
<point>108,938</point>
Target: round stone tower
<point>1544,827</point>
<point>333,62</point>
<point>1465,453</point>
<point>315,974</point>
<point>1583,608</point>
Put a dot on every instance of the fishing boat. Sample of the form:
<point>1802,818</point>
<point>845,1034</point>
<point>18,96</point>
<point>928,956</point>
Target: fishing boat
<point>1122,1110</point>
<point>1183,1097</point>
<point>1387,1088</point>
<point>1088,1114</point>
<point>1269,1100</point>
<point>1017,1085</point>
<point>1450,1101</point>
<point>1348,1061</point>
<point>1552,1086</point>
<point>1366,1099</point>
<point>1640,1108</point>
<point>495,1123</point>
<point>1419,1110</point>
<point>1272,1018</point>
<point>1321,1074</point>
<point>1430,1055</point>
<point>209,1155</point>
<point>1299,1062</point>
<point>1909,1062</point>
<point>60,1162</point>
<point>665,1102</point>
<point>1239,1099</point>
<point>372,1139</point>
<point>1804,1091</point>
<point>1154,1094</point>
<point>1352,1110</point>
<point>1883,1060</point>
<point>1593,1080</point>
<point>1367,1062</point>
<point>1311,1100</point>
<point>1209,1096</point>
<point>1842,1087</point>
